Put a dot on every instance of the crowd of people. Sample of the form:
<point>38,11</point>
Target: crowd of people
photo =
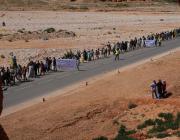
<point>125,46</point>
<point>34,69</point>
<point>158,89</point>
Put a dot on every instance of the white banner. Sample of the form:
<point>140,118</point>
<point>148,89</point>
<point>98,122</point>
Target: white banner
<point>150,43</point>
<point>66,64</point>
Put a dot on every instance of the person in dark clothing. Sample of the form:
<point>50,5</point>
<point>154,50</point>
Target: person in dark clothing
<point>164,91</point>
<point>43,69</point>
<point>49,63</point>
<point>35,69</point>
<point>24,72</point>
<point>8,76</point>
<point>85,55</point>
<point>160,88</point>
<point>109,48</point>
<point>54,64</point>
<point>1,97</point>
<point>38,67</point>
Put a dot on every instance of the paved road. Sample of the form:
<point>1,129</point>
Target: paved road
<point>55,81</point>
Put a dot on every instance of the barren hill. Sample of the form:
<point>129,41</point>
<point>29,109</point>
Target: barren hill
<point>78,5</point>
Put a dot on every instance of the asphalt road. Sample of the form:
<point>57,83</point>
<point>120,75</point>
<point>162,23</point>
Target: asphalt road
<point>55,81</point>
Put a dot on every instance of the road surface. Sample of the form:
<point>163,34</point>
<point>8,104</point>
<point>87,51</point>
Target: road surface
<point>55,81</point>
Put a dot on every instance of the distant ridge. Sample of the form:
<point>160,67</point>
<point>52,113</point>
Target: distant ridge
<point>78,5</point>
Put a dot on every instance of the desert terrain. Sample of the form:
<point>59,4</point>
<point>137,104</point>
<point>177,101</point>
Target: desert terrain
<point>95,110</point>
<point>100,108</point>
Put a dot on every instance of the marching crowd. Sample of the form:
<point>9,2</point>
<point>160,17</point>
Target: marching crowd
<point>34,69</point>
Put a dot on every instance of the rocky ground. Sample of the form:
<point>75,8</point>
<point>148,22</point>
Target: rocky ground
<point>96,110</point>
<point>49,33</point>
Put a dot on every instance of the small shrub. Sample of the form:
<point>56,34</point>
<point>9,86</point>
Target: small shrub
<point>161,19</point>
<point>122,130</point>
<point>171,125</point>
<point>29,32</point>
<point>158,122</point>
<point>10,40</point>
<point>101,138</point>
<point>124,138</point>
<point>131,105</point>
<point>26,40</point>
<point>141,126</point>
<point>177,121</point>
<point>130,132</point>
<point>119,5</point>
<point>115,122</point>
<point>177,133</point>
<point>84,8</point>
<point>157,129</point>
<point>20,31</point>
<point>123,134</point>
<point>162,135</point>
<point>109,32</point>
<point>50,30</point>
<point>147,123</point>
<point>2,56</point>
<point>166,116</point>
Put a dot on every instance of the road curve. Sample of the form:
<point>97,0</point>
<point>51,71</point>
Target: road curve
<point>54,81</point>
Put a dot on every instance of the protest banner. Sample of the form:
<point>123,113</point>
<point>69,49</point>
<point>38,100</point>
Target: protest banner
<point>66,64</point>
<point>150,43</point>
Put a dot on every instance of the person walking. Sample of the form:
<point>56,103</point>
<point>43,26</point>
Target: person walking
<point>54,67</point>
<point>117,53</point>
<point>24,73</point>
<point>159,42</point>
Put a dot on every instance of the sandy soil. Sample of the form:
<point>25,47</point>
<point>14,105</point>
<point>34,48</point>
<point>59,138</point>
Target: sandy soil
<point>93,29</point>
<point>95,110</point>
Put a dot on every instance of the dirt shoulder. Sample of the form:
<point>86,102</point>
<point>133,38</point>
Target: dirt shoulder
<point>91,111</point>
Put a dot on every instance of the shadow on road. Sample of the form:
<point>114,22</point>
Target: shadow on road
<point>3,135</point>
